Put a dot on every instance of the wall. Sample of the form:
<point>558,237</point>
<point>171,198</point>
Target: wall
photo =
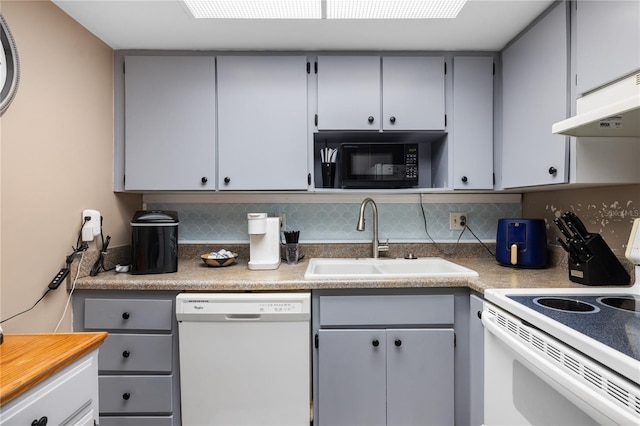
<point>609,211</point>
<point>56,160</point>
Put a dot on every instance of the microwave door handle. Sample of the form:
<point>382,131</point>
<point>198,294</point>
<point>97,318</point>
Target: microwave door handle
<point>589,400</point>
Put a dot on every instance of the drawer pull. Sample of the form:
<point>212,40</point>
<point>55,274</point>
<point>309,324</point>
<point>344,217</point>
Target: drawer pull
<point>126,354</point>
<point>375,343</point>
<point>125,315</point>
<point>126,396</point>
<point>398,342</point>
<point>40,422</point>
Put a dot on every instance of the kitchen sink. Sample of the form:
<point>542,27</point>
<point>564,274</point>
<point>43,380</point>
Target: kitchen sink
<point>366,268</point>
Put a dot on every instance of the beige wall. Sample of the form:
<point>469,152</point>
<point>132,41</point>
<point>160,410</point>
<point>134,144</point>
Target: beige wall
<point>56,159</point>
<point>609,211</point>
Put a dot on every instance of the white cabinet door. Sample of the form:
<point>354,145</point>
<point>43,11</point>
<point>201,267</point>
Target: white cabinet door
<point>262,122</point>
<point>413,93</point>
<point>169,122</point>
<point>349,93</point>
<point>607,41</point>
<point>472,122</point>
<point>534,74</point>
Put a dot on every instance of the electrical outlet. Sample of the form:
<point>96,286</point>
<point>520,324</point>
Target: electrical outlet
<point>91,226</point>
<point>457,221</point>
<point>283,221</point>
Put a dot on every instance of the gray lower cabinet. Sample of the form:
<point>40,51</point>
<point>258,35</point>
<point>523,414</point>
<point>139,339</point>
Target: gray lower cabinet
<point>385,359</point>
<point>138,362</point>
<point>386,377</point>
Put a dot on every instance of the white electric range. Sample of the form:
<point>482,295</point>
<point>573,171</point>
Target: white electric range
<point>564,356</point>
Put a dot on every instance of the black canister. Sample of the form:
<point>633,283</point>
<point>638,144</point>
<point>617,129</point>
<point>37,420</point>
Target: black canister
<point>154,242</point>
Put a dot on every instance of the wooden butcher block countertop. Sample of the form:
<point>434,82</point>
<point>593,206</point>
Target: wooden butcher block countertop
<point>28,359</point>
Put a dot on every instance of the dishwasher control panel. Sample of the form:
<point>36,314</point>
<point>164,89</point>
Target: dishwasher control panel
<point>244,306</point>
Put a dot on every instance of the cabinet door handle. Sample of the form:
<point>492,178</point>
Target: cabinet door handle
<point>398,342</point>
<point>126,354</point>
<point>42,421</point>
<point>204,180</point>
<point>370,119</point>
<point>126,396</point>
<point>553,170</point>
<point>125,315</point>
<point>375,343</point>
<point>464,179</point>
<point>227,180</point>
<point>392,119</point>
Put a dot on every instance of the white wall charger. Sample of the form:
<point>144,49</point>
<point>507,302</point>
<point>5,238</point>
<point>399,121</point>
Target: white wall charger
<point>91,228</point>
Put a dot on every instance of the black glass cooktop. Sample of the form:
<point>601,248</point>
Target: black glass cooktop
<point>613,320</point>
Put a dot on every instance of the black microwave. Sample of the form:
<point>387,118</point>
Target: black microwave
<point>379,165</point>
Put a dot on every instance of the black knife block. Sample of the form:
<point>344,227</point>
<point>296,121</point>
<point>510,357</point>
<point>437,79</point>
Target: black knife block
<point>601,268</point>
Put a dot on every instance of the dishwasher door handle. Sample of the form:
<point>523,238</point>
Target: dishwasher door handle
<point>243,317</point>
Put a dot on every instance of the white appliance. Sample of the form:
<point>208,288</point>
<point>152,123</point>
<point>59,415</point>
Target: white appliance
<point>244,358</point>
<point>564,356</point>
<point>264,241</point>
<point>612,111</point>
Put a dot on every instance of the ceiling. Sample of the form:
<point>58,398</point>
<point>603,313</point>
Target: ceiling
<point>167,25</point>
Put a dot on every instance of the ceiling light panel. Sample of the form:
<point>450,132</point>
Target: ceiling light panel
<point>393,9</point>
<point>254,9</point>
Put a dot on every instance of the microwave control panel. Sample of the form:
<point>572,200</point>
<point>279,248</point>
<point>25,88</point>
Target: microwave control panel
<point>411,162</point>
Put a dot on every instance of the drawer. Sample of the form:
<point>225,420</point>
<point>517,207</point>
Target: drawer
<point>128,314</point>
<point>136,394</point>
<point>386,310</point>
<point>136,421</point>
<point>150,353</point>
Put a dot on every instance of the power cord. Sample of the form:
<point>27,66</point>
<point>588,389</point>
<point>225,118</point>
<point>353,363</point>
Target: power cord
<point>80,247</point>
<point>466,226</point>
<point>98,266</point>
<point>73,287</point>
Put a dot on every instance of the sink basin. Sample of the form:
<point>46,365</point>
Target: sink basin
<point>367,268</point>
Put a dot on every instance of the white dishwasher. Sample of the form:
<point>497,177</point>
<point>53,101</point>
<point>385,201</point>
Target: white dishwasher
<point>244,358</point>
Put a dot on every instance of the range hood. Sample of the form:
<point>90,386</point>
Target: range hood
<point>612,111</point>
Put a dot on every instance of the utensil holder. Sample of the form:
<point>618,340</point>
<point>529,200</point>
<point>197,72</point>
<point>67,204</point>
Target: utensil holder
<point>601,268</point>
<point>328,175</point>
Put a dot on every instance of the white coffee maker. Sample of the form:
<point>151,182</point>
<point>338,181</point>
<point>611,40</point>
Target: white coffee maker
<point>264,241</point>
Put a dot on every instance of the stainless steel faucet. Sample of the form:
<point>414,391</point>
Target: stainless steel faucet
<point>376,248</point>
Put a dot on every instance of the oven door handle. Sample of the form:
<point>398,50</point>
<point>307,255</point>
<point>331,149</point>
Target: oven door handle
<point>590,401</point>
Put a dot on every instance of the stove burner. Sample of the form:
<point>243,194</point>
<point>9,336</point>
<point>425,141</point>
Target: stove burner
<point>567,305</point>
<point>625,303</point>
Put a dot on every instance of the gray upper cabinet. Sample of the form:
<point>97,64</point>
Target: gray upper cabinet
<point>412,93</point>
<point>607,42</point>
<point>535,74</point>
<point>349,92</point>
<point>374,93</point>
<point>169,122</point>
<point>262,123</point>
<point>472,122</point>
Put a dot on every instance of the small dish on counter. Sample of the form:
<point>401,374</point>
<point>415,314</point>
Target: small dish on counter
<point>221,258</point>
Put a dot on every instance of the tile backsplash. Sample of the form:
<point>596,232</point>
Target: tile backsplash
<point>331,222</point>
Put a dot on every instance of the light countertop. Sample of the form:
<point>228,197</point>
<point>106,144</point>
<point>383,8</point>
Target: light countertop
<point>194,275</point>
